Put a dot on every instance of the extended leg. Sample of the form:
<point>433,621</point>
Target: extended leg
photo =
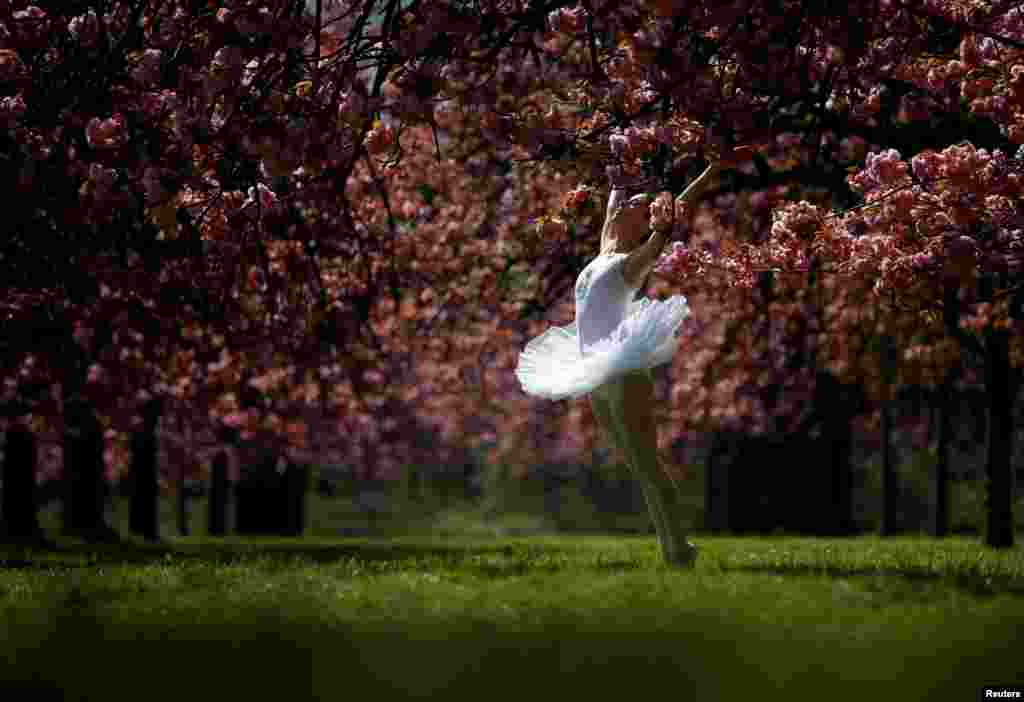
<point>633,411</point>
<point>601,401</point>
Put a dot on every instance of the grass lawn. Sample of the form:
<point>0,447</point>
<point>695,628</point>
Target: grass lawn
<point>542,617</point>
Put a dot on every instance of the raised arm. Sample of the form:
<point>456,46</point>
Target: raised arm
<point>641,260</point>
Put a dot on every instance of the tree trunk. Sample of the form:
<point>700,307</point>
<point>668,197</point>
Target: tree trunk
<point>1000,384</point>
<point>979,407</point>
<point>181,503</point>
<point>296,484</point>
<point>217,521</point>
<point>21,522</point>
<point>144,518</point>
<point>552,495</point>
<point>84,490</point>
<point>717,483</point>
<point>838,413</point>
<point>414,489</point>
<point>181,494</point>
<point>842,478</point>
<point>888,525</point>
<point>710,518</point>
<point>940,478</point>
<point>468,473</point>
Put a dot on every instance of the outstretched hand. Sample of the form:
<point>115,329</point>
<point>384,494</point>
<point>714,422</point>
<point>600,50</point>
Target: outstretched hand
<point>664,212</point>
<point>731,157</point>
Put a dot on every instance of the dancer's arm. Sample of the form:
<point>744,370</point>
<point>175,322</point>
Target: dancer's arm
<point>641,261</point>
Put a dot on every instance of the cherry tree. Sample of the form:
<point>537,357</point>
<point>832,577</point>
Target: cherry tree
<point>832,91</point>
<point>322,223</point>
<point>219,202</point>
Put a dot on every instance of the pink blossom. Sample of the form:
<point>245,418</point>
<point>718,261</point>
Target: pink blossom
<point>29,13</point>
<point>926,165</point>
<point>567,20</point>
<point>12,107</point>
<point>619,145</point>
<point>85,28</point>
<point>107,133</point>
<point>787,139</point>
<point>799,220</point>
<point>379,139</point>
<point>147,69</point>
<point>662,211</point>
<point>267,199</point>
<point>82,335</point>
<point>575,199</point>
<point>95,374</point>
<point>102,177</point>
<point>969,50</point>
<point>11,65</point>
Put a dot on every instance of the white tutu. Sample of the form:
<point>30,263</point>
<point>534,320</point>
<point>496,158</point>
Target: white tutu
<point>557,364</point>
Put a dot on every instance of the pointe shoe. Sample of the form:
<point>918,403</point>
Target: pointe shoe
<point>686,557</point>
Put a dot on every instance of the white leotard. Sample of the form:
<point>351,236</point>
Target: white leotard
<point>612,335</point>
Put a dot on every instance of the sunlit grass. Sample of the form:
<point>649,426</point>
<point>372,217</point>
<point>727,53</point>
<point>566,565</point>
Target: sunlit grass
<point>777,618</point>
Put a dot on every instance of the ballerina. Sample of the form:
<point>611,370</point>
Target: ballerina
<point>610,348</point>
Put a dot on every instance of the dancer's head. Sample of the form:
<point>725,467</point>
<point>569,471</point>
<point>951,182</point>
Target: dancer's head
<point>626,219</point>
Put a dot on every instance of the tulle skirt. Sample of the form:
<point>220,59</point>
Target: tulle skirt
<point>552,366</point>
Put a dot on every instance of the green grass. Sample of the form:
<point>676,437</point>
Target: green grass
<point>551,617</point>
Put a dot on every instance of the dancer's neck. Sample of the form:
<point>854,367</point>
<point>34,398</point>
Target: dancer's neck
<point>612,247</point>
